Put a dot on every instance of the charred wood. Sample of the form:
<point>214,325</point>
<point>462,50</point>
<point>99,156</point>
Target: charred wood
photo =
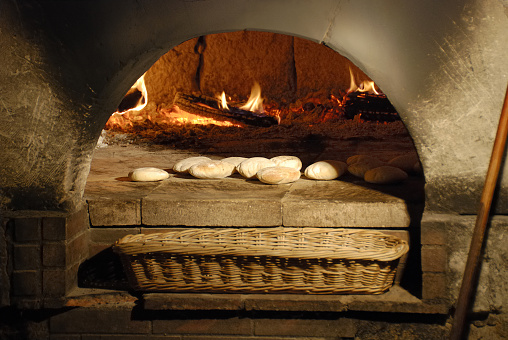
<point>370,107</point>
<point>209,107</point>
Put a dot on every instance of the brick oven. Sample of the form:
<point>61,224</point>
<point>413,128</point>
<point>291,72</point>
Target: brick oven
<point>66,67</point>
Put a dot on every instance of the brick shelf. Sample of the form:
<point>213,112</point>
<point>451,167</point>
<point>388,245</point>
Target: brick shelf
<point>396,300</point>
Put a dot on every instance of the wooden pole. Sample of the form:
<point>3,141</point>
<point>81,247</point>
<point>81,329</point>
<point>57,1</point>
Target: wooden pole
<point>475,249</point>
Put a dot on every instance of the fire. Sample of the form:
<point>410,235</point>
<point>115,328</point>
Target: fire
<point>138,87</point>
<point>177,116</point>
<point>365,86</point>
<point>223,104</point>
<point>255,102</point>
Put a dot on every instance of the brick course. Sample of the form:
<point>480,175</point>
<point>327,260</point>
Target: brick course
<point>47,251</point>
<point>27,257</point>
<point>98,321</point>
<point>26,283</point>
<point>227,326</point>
<point>434,259</point>
<point>305,327</point>
<point>53,254</point>
<point>27,229</point>
<point>434,286</point>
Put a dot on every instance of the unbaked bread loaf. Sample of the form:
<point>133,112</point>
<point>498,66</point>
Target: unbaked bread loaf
<point>212,169</point>
<point>385,175</point>
<point>360,158</point>
<point>278,175</point>
<point>249,167</point>
<point>359,167</point>
<point>405,162</point>
<point>326,170</point>
<point>234,160</point>
<point>148,175</point>
<point>185,164</point>
<point>289,161</point>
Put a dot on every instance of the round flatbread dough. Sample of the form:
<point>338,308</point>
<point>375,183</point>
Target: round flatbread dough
<point>251,166</point>
<point>234,160</point>
<point>212,169</point>
<point>185,164</point>
<point>385,175</point>
<point>326,170</point>
<point>289,161</point>
<point>360,158</point>
<point>278,175</point>
<point>405,162</point>
<point>148,175</point>
<point>360,167</point>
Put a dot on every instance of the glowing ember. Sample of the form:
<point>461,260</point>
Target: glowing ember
<point>177,116</point>
<point>365,86</point>
<point>255,102</point>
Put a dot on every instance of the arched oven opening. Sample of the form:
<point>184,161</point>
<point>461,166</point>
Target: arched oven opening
<point>253,94</point>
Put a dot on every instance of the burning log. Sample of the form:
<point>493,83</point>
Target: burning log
<point>209,107</point>
<point>373,107</point>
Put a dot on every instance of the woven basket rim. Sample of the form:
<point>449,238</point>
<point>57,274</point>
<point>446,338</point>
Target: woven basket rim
<point>286,242</point>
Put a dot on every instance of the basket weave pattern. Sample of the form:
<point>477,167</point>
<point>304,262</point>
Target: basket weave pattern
<point>262,260</point>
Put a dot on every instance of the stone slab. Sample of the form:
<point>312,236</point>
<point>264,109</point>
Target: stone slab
<point>98,320</point>
<point>341,204</point>
<point>396,300</point>
<point>234,201</point>
<point>114,212</point>
<point>164,301</point>
<point>183,200</point>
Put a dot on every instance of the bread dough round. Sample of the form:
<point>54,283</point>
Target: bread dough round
<point>385,175</point>
<point>234,160</point>
<point>405,162</point>
<point>278,175</point>
<point>360,158</point>
<point>212,169</point>
<point>289,161</point>
<point>326,170</point>
<point>185,164</point>
<point>148,175</point>
<point>359,168</point>
<point>249,167</point>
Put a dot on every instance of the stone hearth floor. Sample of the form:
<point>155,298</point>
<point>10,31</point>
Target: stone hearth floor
<point>182,200</point>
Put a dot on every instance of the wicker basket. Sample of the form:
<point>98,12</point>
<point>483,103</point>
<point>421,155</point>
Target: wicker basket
<point>262,260</point>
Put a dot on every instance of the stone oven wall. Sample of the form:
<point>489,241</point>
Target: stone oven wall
<point>66,65</point>
<point>287,68</point>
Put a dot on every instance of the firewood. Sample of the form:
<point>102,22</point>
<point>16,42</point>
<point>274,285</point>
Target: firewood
<point>209,107</point>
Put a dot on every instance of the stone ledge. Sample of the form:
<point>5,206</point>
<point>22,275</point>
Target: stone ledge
<point>235,201</point>
<point>396,300</point>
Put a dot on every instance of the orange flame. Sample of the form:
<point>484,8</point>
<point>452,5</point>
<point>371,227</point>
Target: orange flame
<point>178,116</point>
<point>255,102</point>
<point>141,87</point>
<point>223,104</point>
<point>365,86</point>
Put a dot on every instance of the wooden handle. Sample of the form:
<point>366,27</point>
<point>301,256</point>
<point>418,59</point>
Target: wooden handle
<point>475,249</point>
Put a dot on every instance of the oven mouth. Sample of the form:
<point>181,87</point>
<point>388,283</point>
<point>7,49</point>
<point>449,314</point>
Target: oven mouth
<point>318,126</point>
